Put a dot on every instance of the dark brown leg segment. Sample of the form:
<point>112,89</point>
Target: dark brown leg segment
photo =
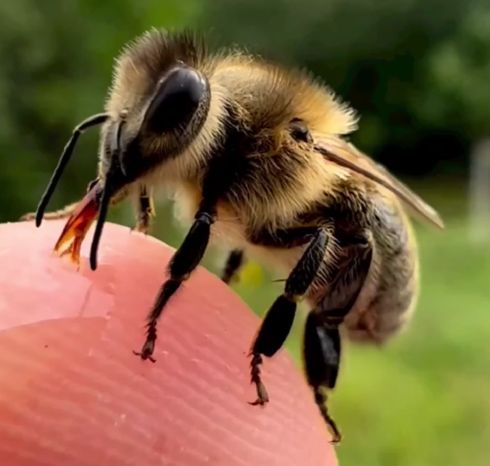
<point>232,266</point>
<point>322,342</point>
<point>184,261</point>
<point>279,319</point>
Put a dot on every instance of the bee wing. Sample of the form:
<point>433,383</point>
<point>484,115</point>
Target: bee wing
<point>347,155</point>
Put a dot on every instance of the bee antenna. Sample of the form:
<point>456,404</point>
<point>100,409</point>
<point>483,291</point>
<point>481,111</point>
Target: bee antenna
<point>63,161</point>
<point>102,215</point>
<point>106,194</point>
<point>279,280</point>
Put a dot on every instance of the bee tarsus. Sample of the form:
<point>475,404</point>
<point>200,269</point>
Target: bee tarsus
<point>184,261</point>
<point>321,402</point>
<point>144,355</point>
<point>233,264</point>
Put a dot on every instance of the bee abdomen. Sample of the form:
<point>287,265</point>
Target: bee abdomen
<point>389,295</point>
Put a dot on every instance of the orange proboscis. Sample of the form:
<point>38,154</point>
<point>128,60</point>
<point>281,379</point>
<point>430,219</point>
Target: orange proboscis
<point>75,230</point>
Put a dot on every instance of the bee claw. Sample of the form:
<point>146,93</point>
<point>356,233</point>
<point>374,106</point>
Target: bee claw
<point>148,346</point>
<point>336,435</point>
<point>262,396</point>
<point>144,356</point>
<point>334,430</point>
<point>259,402</point>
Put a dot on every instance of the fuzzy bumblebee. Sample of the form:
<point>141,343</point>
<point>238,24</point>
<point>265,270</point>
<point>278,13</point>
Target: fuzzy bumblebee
<point>256,158</point>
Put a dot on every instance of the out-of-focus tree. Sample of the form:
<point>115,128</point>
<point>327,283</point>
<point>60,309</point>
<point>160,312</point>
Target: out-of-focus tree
<point>457,89</point>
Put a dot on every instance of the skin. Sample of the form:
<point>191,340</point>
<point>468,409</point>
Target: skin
<point>72,393</point>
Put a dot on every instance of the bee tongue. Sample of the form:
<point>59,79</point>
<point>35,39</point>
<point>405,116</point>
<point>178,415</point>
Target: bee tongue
<point>75,230</point>
<point>94,204</point>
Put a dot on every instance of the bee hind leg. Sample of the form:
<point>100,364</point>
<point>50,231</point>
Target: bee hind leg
<point>233,264</point>
<point>322,341</point>
<point>279,318</point>
<point>322,359</point>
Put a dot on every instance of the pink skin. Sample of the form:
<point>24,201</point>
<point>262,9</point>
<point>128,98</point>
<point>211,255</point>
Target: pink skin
<point>73,394</point>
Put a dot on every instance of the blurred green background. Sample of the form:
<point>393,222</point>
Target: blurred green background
<point>419,73</point>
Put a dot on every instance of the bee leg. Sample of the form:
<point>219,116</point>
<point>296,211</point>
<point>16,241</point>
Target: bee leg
<point>57,214</point>
<point>232,266</point>
<point>322,358</point>
<point>145,212</point>
<point>184,261</point>
<point>322,342</point>
<point>64,212</point>
<point>279,319</point>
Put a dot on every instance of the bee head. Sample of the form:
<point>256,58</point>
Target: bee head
<point>158,103</point>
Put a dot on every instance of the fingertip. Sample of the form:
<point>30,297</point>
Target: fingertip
<point>73,393</point>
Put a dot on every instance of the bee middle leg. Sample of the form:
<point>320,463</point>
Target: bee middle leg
<point>279,318</point>
<point>233,264</point>
<point>64,212</point>
<point>145,211</point>
<point>322,341</point>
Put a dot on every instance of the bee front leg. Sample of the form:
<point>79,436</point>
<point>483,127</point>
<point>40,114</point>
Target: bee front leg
<point>233,264</point>
<point>64,212</point>
<point>145,211</point>
<point>184,261</point>
<point>279,319</point>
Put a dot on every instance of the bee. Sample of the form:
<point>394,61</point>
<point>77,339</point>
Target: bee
<point>258,161</point>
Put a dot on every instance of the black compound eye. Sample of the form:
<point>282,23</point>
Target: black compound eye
<point>299,130</point>
<point>176,100</point>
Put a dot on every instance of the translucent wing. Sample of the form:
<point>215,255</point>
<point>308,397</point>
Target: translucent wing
<point>346,155</point>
